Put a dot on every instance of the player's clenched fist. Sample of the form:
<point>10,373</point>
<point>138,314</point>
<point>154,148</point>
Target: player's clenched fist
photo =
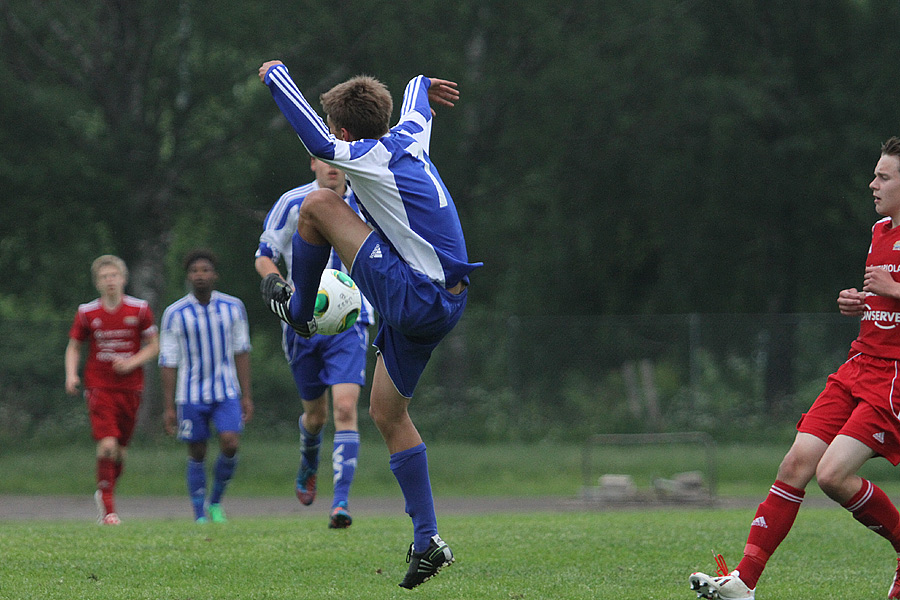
<point>852,302</point>
<point>265,68</point>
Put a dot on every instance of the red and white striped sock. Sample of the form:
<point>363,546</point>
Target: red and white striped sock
<point>774,519</point>
<point>871,507</point>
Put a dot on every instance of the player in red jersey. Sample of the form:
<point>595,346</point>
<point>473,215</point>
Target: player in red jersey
<point>855,418</point>
<point>121,337</point>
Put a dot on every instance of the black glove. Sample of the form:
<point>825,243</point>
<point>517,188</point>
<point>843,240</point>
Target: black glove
<point>273,287</point>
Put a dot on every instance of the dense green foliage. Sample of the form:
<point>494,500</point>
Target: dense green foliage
<point>493,380</point>
<point>678,156</point>
<point>655,157</point>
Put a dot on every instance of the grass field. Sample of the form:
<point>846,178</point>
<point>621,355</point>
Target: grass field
<point>645,554</point>
<point>530,556</point>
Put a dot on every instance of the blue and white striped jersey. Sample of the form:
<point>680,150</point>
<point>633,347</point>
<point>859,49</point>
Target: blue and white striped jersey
<point>399,189</point>
<point>200,340</point>
<point>280,225</point>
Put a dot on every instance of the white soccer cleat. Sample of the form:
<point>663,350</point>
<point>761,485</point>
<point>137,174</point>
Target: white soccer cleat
<point>894,592</point>
<point>111,519</point>
<point>724,587</point>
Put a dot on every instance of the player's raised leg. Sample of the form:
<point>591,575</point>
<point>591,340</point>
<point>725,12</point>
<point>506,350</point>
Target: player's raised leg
<point>325,221</point>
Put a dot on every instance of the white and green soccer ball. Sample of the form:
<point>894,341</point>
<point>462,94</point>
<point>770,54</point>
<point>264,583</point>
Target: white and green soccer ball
<point>337,304</point>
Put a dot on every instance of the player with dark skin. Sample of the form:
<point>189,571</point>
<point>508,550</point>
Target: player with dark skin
<point>209,380</point>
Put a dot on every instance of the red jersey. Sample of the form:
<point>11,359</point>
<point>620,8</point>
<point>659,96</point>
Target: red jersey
<point>879,329</point>
<point>112,335</point>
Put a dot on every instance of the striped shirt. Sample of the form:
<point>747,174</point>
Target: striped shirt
<point>398,187</point>
<point>279,228</point>
<point>201,340</point>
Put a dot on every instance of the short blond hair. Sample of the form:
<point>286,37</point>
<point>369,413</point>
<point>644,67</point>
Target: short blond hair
<point>108,260</point>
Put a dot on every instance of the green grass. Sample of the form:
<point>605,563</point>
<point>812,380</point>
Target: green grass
<point>268,468</point>
<point>557,556</point>
<point>533,556</point>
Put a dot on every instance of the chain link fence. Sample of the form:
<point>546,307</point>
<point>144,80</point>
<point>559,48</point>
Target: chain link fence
<point>511,378</point>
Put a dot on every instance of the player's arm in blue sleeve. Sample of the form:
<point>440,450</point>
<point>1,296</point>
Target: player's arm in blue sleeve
<point>417,112</point>
<point>415,98</point>
<point>309,126</point>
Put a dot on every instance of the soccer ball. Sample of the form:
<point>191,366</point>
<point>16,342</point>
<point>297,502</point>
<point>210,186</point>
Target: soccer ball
<point>337,304</point>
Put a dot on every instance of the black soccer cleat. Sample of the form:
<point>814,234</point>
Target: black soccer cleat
<point>425,565</point>
<point>277,295</point>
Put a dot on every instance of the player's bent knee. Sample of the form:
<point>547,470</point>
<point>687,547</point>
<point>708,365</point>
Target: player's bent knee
<point>797,470</point>
<point>229,444</point>
<point>383,421</point>
<point>832,481</point>
<point>318,203</point>
<point>108,448</point>
<point>314,420</point>
<point>344,411</point>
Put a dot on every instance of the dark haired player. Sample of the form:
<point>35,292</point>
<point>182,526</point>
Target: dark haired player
<point>205,369</point>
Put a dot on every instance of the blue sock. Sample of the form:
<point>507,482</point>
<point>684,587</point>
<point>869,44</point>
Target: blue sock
<point>343,462</point>
<point>222,475</point>
<point>309,448</point>
<point>306,271</point>
<point>196,484</point>
<point>410,467</point>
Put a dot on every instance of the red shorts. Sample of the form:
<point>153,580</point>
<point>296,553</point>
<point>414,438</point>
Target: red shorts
<point>113,413</point>
<point>860,400</point>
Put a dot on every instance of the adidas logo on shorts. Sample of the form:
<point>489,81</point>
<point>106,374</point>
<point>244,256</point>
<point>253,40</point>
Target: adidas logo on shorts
<point>376,251</point>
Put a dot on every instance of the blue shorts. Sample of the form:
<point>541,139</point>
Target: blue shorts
<point>324,360</point>
<point>194,419</point>
<point>415,313</point>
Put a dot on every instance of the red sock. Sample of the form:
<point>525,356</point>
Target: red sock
<point>106,482</point>
<point>774,519</point>
<point>871,507</point>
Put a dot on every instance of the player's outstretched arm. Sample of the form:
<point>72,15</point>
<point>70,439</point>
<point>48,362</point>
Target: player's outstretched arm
<point>310,127</point>
<point>265,68</point>
<point>443,92</point>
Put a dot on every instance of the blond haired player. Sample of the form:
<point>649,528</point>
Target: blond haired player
<point>121,337</point>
